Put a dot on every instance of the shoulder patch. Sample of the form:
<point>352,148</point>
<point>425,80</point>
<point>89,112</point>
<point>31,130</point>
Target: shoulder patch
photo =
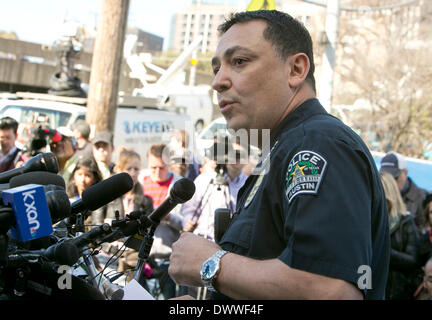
<point>304,174</point>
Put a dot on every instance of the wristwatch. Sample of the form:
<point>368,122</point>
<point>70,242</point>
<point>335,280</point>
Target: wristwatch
<point>210,269</point>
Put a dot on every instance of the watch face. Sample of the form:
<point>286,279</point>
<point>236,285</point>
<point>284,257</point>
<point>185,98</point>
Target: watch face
<point>208,269</point>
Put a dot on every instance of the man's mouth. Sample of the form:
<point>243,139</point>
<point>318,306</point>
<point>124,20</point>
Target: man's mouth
<point>225,105</point>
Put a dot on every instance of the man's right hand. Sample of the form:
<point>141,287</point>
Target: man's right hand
<point>190,226</point>
<point>188,254</point>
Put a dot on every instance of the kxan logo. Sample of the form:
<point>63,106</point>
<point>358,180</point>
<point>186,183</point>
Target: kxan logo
<point>31,211</point>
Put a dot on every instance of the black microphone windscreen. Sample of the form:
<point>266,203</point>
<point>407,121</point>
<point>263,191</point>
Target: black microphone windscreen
<point>107,190</point>
<point>37,177</point>
<point>65,253</point>
<point>50,161</point>
<point>58,204</point>
<point>183,190</point>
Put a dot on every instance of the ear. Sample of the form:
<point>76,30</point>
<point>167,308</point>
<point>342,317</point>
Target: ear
<point>299,66</point>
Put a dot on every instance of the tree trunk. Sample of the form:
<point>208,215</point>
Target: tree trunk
<point>106,64</point>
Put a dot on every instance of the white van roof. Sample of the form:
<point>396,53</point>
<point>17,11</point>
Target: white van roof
<point>43,104</point>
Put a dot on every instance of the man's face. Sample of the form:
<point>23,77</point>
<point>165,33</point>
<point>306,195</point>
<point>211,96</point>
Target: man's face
<point>158,169</point>
<point>401,180</point>
<point>7,140</point>
<point>250,79</point>
<point>62,149</point>
<point>102,151</point>
<point>427,280</point>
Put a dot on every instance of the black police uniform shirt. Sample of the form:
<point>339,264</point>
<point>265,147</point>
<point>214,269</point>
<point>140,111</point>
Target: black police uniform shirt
<point>317,205</point>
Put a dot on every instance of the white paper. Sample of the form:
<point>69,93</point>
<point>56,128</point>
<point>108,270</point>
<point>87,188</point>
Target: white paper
<point>134,291</point>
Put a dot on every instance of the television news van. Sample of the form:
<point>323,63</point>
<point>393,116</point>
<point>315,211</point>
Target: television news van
<point>136,126</point>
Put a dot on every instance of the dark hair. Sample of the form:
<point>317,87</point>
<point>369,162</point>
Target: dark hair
<point>7,123</point>
<point>84,162</point>
<point>159,151</point>
<point>288,35</point>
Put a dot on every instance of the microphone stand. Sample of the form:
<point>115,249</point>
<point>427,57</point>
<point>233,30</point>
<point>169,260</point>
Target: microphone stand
<point>147,230</point>
<point>6,222</point>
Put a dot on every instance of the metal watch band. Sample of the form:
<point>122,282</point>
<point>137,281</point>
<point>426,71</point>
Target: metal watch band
<point>218,255</point>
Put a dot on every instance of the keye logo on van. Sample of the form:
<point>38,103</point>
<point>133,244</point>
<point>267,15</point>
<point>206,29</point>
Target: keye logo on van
<point>147,126</point>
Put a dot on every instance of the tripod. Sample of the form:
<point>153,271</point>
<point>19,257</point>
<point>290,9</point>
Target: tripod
<point>216,195</point>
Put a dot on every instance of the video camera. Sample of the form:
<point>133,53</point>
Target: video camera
<point>223,152</point>
<point>39,139</point>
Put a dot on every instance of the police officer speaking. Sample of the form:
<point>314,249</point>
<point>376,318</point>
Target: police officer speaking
<point>311,221</point>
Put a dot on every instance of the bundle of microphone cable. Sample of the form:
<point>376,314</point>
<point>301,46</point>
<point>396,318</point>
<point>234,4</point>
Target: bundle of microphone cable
<point>34,206</point>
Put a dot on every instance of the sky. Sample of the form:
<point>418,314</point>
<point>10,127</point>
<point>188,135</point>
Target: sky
<point>41,21</point>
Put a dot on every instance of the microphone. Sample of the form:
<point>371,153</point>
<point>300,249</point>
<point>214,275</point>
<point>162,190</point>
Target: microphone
<point>58,203</point>
<point>68,252</point>
<point>182,191</point>
<point>103,193</point>
<point>37,177</point>
<point>65,253</point>
<point>40,162</point>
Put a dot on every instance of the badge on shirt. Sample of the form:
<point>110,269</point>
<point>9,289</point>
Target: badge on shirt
<point>304,174</point>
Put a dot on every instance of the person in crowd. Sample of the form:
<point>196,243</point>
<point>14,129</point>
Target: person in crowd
<point>207,166</point>
<point>426,231</point>
<point>214,190</point>
<point>85,174</point>
<point>65,152</point>
<point>404,264</point>
<point>179,164</point>
<point>412,195</point>
<point>424,290</point>
<point>103,149</point>
<point>313,213</point>
<point>178,145</point>
<point>81,130</point>
<point>128,161</point>
<point>427,279</point>
<point>157,184</point>
<point>10,154</point>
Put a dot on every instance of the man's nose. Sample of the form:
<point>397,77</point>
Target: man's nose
<point>221,80</point>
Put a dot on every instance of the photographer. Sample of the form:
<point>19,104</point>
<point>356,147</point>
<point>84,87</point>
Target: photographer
<point>65,151</point>
<point>214,190</point>
<point>217,189</point>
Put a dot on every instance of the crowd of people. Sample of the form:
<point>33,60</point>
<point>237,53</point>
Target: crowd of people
<point>84,162</point>
<point>287,238</point>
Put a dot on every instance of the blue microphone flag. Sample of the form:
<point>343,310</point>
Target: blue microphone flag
<point>31,211</point>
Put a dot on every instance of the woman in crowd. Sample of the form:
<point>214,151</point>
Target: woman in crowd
<point>129,161</point>
<point>85,174</point>
<point>404,266</point>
